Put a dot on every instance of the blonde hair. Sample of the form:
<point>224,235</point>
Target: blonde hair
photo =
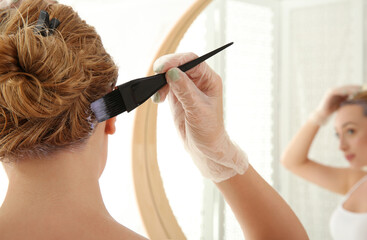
<point>360,96</point>
<point>360,99</point>
<point>48,83</point>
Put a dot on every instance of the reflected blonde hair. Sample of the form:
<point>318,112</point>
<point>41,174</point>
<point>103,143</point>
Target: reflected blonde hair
<point>361,96</point>
<point>48,83</point>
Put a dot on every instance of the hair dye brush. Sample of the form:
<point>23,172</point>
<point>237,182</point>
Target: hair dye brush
<point>130,95</point>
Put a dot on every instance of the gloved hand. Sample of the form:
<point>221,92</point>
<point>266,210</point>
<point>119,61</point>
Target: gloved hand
<point>196,103</point>
<point>331,102</point>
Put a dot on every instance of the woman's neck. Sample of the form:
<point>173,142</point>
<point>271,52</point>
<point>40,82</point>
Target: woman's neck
<point>66,182</point>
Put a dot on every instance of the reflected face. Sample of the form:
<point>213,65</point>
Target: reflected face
<point>351,129</point>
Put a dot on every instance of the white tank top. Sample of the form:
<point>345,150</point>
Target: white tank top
<point>344,224</point>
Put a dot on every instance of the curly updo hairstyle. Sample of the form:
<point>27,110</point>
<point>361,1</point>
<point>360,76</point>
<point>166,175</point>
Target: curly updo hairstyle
<point>48,83</point>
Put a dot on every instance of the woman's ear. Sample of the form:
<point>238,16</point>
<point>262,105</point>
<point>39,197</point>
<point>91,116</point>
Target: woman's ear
<point>110,127</point>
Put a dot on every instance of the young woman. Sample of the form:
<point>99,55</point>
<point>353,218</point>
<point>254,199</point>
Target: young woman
<point>349,220</point>
<point>54,151</point>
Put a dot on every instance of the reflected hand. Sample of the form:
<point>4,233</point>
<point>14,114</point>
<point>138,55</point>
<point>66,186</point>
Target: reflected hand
<point>196,104</point>
<point>331,102</point>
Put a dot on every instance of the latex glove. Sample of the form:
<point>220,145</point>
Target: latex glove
<point>331,102</point>
<point>196,103</point>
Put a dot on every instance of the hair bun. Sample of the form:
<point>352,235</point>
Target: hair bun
<point>8,55</point>
<point>39,77</point>
<point>47,83</point>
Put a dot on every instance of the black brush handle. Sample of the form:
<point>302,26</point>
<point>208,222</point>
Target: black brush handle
<point>136,92</point>
<point>197,61</point>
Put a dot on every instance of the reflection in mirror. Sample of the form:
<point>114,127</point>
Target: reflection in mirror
<point>321,46</point>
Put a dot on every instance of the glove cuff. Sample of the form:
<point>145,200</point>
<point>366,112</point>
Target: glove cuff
<point>228,161</point>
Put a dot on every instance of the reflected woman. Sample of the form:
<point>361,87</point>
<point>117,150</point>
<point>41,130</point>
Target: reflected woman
<point>349,220</point>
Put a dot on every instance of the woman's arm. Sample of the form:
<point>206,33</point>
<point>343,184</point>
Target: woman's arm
<point>296,153</point>
<point>259,209</point>
<point>295,157</point>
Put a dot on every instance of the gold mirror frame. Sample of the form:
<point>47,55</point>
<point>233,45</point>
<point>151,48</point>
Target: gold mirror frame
<point>157,216</point>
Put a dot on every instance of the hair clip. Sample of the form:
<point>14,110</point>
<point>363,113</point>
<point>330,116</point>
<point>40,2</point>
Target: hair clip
<point>44,26</point>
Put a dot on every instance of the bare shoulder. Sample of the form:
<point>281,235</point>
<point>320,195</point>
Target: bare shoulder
<point>355,176</point>
<point>356,201</point>
<point>122,232</point>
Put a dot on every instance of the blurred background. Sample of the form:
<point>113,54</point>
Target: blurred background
<point>286,54</point>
